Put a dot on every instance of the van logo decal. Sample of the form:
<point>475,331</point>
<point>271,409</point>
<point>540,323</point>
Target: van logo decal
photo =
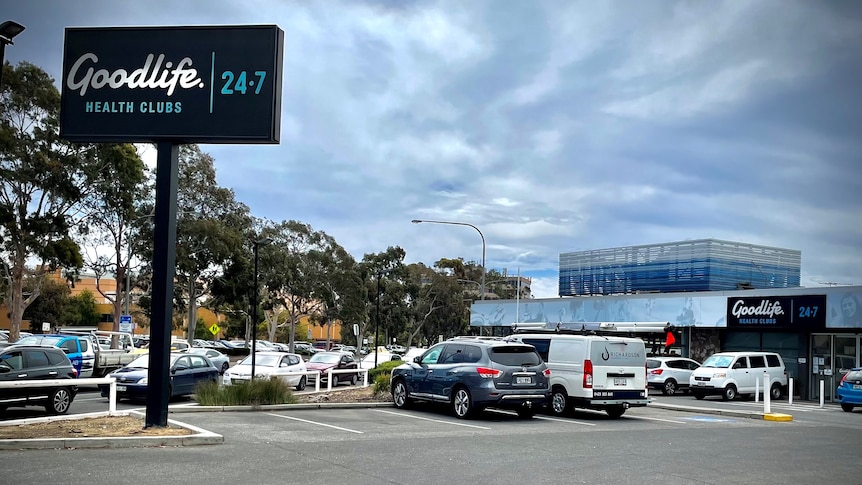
<point>606,355</point>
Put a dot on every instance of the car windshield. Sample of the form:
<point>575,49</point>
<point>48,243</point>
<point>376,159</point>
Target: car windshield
<point>262,360</point>
<point>325,358</point>
<point>34,340</point>
<point>722,361</point>
<point>143,362</point>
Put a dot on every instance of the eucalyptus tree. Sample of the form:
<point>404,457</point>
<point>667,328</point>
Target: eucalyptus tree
<point>384,274</point>
<point>293,269</point>
<point>110,213</point>
<point>42,179</point>
<point>341,290</point>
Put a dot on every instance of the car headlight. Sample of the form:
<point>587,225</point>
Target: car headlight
<point>719,375</point>
<point>142,381</point>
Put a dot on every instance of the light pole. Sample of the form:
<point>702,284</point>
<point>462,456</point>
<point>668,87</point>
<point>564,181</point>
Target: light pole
<point>482,286</point>
<point>8,30</point>
<point>377,319</point>
<point>255,245</point>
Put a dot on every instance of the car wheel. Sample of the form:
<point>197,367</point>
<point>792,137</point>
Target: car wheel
<point>462,403</point>
<point>399,394</point>
<point>697,395</point>
<point>775,392</point>
<point>729,393</point>
<point>559,402</point>
<point>526,413</point>
<point>353,380</point>
<point>301,385</point>
<point>615,411</point>
<point>334,380</point>
<point>669,388</point>
<point>59,401</point>
<point>224,368</point>
<point>847,407</point>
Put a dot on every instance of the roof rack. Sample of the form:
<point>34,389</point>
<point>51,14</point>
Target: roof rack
<point>654,334</point>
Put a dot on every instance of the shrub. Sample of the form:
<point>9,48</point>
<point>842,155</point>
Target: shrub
<point>381,384</point>
<point>384,368</point>
<point>258,392</point>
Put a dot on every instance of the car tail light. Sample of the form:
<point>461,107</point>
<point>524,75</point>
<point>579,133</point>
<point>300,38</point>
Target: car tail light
<point>656,372</point>
<point>843,379</point>
<point>75,372</point>
<point>646,376</point>
<point>588,374</point>
<point>547,372</point>
<point>488,373</point>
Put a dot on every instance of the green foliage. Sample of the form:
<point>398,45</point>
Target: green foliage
<point>383,369</point>
<point>259,392</point>
<point>381,383</point>
<point>81,311</point>
<point>49,307</point>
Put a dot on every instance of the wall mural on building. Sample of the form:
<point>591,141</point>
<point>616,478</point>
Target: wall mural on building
<point>681,311</point>
<point>844,310</point>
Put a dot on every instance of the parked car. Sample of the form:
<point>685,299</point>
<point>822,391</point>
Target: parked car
<point>280,365</point>
<point>219,360</point>
<point>368,360</point>
<point>24,363</point>
<point>187,371</point>
<point>731,374</point>
<point>470,375</point>
<point>670,374</point>
<point>304,349</point>
<point>850,389</point>
<point>604,373</point>
<point>326,361</point>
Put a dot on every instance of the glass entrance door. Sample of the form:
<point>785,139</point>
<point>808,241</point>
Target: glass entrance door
<point>846,356</point>
<point>821,367</point>
<point>831,357</point>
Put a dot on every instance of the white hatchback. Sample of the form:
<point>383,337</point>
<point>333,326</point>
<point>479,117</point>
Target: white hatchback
<point>290,368</point>
<point>669,374</point>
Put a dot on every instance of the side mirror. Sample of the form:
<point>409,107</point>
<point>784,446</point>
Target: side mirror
<point>417,359</point>
<point>174,370</point>
<point>4,369</point>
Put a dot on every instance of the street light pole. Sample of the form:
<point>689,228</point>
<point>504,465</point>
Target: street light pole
<point>8,30</point>
<point>377,321</point>
<point>482,285</point>
<point>255,246</point>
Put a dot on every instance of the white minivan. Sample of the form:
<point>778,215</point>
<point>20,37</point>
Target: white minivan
<point>591,371</point>
<point>732,374</point>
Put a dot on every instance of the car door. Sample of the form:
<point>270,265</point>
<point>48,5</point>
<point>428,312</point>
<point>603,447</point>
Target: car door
<point>743,375</point>
<point>348,362</point>
<point>38,366</point>
<point>419,383</point>
<point>441,376</point>
<point>201,369</point>
<point>182,376</point>
<point>11,370</point>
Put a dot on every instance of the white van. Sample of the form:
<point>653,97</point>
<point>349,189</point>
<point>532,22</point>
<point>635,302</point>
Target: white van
<point>591,371</point>
<point>732,374</point>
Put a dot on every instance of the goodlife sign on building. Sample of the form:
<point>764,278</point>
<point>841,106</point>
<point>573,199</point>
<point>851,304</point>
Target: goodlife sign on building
<point>808,311</point>
<point>208,84</point>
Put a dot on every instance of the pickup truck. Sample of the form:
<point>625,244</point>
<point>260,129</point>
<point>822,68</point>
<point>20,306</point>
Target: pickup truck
<point>90,352</point>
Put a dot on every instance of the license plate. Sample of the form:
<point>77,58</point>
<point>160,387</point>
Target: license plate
<point>523,380</point>
<point>857,386</point>
<point>619,381</point>
<point>700,383</point>
<point>121,388</point>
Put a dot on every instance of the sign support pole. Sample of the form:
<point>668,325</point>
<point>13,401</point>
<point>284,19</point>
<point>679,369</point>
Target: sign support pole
<point>164,261</point>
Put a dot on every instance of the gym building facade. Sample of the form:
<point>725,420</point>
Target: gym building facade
<point>707,291</point>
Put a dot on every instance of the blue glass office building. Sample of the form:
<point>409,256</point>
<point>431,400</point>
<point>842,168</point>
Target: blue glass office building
<point>697,265</point>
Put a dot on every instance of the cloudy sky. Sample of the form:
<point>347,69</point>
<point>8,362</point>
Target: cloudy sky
<point>552,126</point>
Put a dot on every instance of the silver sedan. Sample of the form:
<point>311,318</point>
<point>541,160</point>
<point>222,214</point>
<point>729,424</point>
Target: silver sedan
<point>219,360</point>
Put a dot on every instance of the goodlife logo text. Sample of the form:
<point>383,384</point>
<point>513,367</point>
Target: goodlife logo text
<point>150,76</point>
<point>766,308</point>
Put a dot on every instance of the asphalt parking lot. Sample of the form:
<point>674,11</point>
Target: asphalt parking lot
<point>428,445</point>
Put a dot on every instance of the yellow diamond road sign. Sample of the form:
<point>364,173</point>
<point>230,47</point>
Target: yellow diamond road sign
<point>214,329</point>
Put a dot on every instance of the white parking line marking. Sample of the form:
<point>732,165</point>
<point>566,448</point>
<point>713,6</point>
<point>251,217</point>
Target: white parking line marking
<point>433,420</point>
<point>315,422</point>
<point>570,421</point>
<point>656,419</point>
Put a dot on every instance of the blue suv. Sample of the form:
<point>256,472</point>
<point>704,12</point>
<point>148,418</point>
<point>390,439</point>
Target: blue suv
<point>472,374</point>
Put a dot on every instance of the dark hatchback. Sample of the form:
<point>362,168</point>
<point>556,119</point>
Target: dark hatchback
<point>27,363</point>
<point>472,374</point>
<point>187,371</point>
